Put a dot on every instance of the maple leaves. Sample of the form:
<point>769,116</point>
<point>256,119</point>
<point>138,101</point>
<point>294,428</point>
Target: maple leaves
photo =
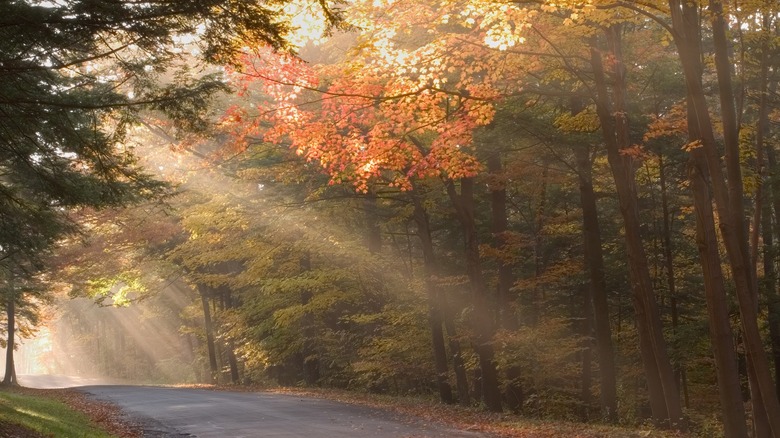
<point>363,128</point>
<point>405,106</point>
<point>421,79</point>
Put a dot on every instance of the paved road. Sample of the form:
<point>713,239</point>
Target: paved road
<point>177,412</point>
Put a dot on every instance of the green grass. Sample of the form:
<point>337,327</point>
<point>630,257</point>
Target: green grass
<point>47,416</point>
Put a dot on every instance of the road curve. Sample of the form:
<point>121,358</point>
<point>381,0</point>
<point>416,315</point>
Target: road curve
<point>180,412</point>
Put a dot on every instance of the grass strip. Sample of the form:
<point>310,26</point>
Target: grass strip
<point>47,416</point>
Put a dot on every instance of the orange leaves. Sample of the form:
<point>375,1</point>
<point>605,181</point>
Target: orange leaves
<point>238,126</point>
<point>233,115</point>
<point>673,123</point>
<point>420,79</point>
<point>634,151</point>
<point>363,123</point>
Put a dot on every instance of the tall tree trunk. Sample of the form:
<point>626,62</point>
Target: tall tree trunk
<point>533,301</point>
<point>597,290</point>
<point>209,327</point>
<point>721,335</point>
<point>586,354</point>
<point>770,285</point>
<point>227,303</point>
<point>771,193</point>
<point>482,319</point>
<point>235,377</point>
<point>10,311</point>
<point>458,364</point>
<point>770,258</point>
<point>435,312</point>
<point>664,396</point>
<point>728,195</point>
<point>679,368</point>
<point>513,394</point>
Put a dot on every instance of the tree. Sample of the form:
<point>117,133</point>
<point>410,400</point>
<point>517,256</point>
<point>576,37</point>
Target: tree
<point>10,309</point>
<point>483,155</point>
<point>74,76</point>
<point>727,190</point>
<point>23,297</point>
<point>612,112</point>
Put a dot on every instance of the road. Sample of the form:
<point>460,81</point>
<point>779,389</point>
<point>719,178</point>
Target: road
<point>180,412</point>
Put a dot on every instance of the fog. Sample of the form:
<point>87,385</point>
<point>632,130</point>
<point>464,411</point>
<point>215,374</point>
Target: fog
<point>89,343</point>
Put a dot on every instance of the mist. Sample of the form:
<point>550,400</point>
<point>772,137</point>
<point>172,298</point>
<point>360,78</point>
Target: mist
<point>140,343</point>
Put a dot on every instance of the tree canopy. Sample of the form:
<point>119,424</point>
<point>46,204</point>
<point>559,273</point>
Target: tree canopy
<point>75,77</point>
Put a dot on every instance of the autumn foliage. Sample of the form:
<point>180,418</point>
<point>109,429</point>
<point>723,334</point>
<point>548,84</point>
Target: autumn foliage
<point>543,207</point>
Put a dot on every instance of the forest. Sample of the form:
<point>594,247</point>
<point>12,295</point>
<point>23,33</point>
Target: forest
<point>559,209</point>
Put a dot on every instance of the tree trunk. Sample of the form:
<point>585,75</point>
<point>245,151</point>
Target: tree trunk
<point>235,378</point>
<point>458,364</point>
<point>770,267</point>
<point>726,367</point>
<point>770,285</point>
<point>227,303</point>
<point>533,301</point>
<point>513,394</point>
<point>435,312</point>
<point>664,396</point>
<point>728,195</point>
<point>586,354</point>
<point>679,368</point>
<point>597,291</point>
<point>482,318</point>
<point>10,311</point>
<point>209,327</point>
<point>771,191</point>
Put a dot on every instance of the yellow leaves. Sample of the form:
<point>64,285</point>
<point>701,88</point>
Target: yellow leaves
<point>584,121</point>
<point>751,176</point>
<point>504,28</point>
<point>685,211</point>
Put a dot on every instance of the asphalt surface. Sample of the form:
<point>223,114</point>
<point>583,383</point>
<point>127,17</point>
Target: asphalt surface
<point>179,412</point>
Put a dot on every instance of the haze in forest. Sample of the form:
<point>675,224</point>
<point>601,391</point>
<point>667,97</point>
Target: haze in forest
<point>564,210</point>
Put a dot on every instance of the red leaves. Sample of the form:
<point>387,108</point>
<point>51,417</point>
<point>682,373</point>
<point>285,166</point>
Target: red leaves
<point>363,124</point>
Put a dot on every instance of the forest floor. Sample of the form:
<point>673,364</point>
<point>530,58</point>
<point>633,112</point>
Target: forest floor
<point>111,418</point>
<point>502,425</point>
